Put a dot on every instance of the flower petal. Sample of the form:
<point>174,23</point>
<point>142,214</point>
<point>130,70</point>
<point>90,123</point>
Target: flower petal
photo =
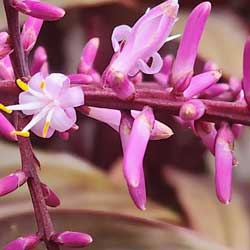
<point>35,82</point>
<point>120,33</point>
<point>63,120</point>
<point>38,129</point>
<point>72,97</point>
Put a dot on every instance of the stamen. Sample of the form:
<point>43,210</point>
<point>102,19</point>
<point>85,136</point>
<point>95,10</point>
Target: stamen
<point>42,85</point>
<point>21,133</point>
<point>22,85</point>
<point>48,122</point>
<point>5,109</point>
<point>170,38</point>
<point>46,128</point>
<point>26,106</point>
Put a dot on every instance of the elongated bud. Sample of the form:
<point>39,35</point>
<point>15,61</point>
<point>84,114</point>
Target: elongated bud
<point>137,143</point>
<point>80,78</point>
<point>30,32</point>
<point>38,9</point>
<point>12,182</point>
<point>72,239</point>
<point>246,71</point>
<point>224,163</point>
<point>39,62</point>
<point>23,243</point>
<point>237,130</point>
<point>50,197</point>
<point>6,70</point>
<point>6,128</point>
<point>184,63</point>
<point>88,56</point>
<point>5,47</point>
<point>201,82</point>
<point>215,90</point>
<point>207,132</point>
<point>192,110</point>
<point>138,194</point>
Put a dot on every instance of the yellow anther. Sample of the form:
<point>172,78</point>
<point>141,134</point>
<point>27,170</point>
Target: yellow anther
<point>21,133</point>
<point>5,109</point>
<point>42,85</point>
<point>46,128</point>
<point>22,85</point>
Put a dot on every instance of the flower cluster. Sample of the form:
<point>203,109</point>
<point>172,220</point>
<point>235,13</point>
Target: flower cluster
<point>49,100</point>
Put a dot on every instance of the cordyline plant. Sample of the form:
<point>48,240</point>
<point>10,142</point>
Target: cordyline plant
<point>45,103</point>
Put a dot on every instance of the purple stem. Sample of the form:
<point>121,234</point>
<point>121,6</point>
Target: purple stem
<point>44,223</point>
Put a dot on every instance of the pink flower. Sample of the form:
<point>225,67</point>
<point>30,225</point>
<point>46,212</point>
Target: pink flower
<point>51,101</point>
<point>139,44</point>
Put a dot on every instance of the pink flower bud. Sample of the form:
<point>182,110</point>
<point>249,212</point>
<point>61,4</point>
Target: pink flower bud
<point>184,62</point>
<point>88,56</point>
<point>30,32</point>
<point>72,239</point>
<point>38,9</point>
<point>201,82</point>
<point>192,110</point>
<point>50,197</point>
<point>6,128</point>
<point>246,71</point>
<point>136,147</point>
<point>80,78</point>
<point>6,70</point>
<point>23,243</point>
<point>39,62</point>
<point>5,47</point>
<point>224,162</point>
<point>12,182</point>
<point>215,90</point>
<point>138,194</point>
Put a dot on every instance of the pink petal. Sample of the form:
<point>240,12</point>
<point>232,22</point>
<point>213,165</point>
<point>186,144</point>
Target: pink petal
<point>63,120</point>
<point>120,33</point>
<point>6,128</point>
<point>35,82</point>
<point>6,70</point>
<point>246,71</point>
<point>39,62</point>
<point>72,97</point>
<point>187,51</point>
<point>38,129</point>
<point>138,140</point>
<point>224,163</point>
<point>55,83</point>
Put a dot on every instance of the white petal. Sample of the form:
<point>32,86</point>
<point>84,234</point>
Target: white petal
<point>155,67</point>
<point>120,33</point>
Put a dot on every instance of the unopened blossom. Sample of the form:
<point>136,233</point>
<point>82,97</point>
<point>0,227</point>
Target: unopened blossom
<point>30,32</point>
<point>214,90</point>
<point>6,70</point>
<point>138,193</point>
<point>72,239</point>
<point>246,71</point>
<point>6,128</point>
<point>39,62</point>
<point>11,182</point>
<point>50,197</point>
<point>183,67</point>
<point>112,117</point>
<point>134,51</point>
<point>192,110</point>
<point>5,47</point>
<point>23,243</point>
<point>224,162</point>
<point>51,101</point>
<point>38,9</point>
<point>136,146</point>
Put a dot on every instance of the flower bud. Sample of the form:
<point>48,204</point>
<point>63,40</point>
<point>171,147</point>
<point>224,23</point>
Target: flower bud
<point>192,110</point>
<point>38,9</point>
<point>72,239</point>
<point>12,182</point>
<point>23,243</point>
<point>6,128</point>
<point>5,47</point>
<point>39,62</point>
<point>51,199</point>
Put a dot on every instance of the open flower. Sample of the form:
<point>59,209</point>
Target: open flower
<point>51,101</point>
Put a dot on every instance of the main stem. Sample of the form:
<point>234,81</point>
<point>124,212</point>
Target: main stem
<point>44,223</point>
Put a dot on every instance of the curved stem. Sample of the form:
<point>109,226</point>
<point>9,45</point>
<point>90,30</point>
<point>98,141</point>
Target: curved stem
<point>44,223</point>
